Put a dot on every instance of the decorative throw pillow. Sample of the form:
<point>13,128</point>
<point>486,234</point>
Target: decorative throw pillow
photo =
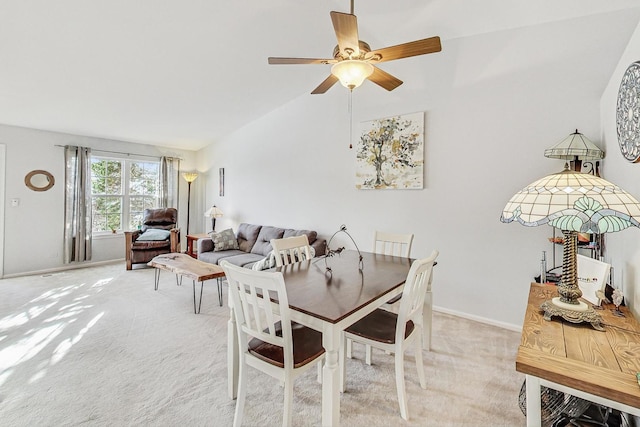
<point>224,240</point>
<point>154,234</point>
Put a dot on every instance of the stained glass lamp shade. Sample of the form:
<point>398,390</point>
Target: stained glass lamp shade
<point>573,202</point>
<point>575,147</point>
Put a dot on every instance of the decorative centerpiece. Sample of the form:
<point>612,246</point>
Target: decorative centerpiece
<point>333,252</point>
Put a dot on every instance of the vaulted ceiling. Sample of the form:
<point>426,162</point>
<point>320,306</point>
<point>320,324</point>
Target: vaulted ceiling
<point>185,73</point>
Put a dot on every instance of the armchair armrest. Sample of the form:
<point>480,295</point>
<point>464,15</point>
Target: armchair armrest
<point>130,237</point>
<point>175,239</point>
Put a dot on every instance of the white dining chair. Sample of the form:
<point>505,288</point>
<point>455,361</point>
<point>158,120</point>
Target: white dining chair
<point>393,332</point>
<point>291,250</point>
<point>394,244</point>
<point>266,339</point>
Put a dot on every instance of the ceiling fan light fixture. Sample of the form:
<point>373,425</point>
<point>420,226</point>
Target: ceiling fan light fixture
<point>352,72</point>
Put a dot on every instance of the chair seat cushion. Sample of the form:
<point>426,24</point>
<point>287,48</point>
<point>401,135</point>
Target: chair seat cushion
<point>307,346</point>
<point>154,234</point>
<point>150,244</point>
<point>379,326</point>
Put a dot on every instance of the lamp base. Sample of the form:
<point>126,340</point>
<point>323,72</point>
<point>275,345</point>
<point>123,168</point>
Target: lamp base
<point>574,313</point>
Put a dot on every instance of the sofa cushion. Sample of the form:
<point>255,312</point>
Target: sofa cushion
<point>224,240</point>
<point>154,234</point>
<point>311,235</point>
<point>215,257</point>
<point>247,236</point>
<point>263,244</point>
<point>244,260</point>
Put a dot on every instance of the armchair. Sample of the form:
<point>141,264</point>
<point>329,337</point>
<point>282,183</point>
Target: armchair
<point>157,236</point>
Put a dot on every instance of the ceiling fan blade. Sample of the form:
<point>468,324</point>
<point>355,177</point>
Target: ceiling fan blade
<point>384,79</point>
<point>406,50</point>
<point>325,85</point>
<point>346,28</point>
<point>276,60</point>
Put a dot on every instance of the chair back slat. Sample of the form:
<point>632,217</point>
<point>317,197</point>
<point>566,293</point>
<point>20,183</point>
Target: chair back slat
<point>255,313</point>
<point>392,244</point>
<point>413,294</point>
<point>291,250</point>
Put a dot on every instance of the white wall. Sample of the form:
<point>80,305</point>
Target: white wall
<point>34,230</point>
<point>3,170</point>
<point>486,131</point>
<point>623,248</point>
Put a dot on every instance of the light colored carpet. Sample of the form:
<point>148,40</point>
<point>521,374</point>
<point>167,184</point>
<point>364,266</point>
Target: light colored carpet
<point>98,346</point>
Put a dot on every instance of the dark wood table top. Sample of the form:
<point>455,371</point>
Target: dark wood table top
<point>332,296</point>
<point>578,356</point>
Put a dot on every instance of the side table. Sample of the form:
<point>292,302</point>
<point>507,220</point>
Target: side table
<point>576,359</point>
<point>191,240</point>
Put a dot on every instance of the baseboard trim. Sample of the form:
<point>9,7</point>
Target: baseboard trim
<point>504,325</point>
<point>65,268</point>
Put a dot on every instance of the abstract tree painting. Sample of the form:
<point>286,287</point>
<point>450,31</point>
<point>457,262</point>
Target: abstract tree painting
<point>390,153</point>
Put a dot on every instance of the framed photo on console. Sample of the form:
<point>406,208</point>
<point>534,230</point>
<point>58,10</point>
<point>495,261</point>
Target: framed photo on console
<point>593,276</point>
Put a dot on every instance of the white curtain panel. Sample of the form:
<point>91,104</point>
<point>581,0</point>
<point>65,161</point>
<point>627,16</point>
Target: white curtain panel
<point>77,215</point>
<point>169,174</point>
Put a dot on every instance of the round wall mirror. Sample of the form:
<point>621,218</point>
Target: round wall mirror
<point>39,180</point>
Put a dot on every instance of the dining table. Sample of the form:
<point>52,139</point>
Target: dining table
<point>329,294</point>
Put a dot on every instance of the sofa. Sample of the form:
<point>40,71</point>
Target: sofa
<point>253,244</point>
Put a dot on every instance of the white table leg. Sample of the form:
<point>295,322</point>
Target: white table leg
<point>331,376</point>
<point>534,414</point>
<point>232,355</point>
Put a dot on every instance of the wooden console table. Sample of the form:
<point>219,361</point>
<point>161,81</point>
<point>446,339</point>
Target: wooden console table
<point>576,359</point>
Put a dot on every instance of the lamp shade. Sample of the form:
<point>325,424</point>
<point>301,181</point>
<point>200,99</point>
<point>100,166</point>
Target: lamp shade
<point>575,146</point>
<point>213,212</point>
<point>574,201</point>
<point>351,72</point>
<point>189,176</point>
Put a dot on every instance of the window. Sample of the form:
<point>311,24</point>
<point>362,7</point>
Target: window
<point>120,192</point>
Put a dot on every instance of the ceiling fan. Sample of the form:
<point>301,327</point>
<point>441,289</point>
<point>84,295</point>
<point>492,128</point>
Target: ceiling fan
<point>354,61</point>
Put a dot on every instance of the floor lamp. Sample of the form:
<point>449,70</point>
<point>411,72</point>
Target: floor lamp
<point>189,177</point>
<point>573,202</point>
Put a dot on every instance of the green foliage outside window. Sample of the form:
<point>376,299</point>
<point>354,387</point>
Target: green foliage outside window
<point>143,190</point>
<point>114,201</point>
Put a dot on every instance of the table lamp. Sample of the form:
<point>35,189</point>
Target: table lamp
<point>573,202</point>
<point>213,212</point>
<point>575,148</point>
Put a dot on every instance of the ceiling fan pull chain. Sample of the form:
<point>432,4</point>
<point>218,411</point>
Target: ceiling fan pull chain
<point>351,116</point>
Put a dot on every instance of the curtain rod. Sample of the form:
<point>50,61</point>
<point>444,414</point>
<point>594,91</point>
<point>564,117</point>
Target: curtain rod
<point>121,152</point>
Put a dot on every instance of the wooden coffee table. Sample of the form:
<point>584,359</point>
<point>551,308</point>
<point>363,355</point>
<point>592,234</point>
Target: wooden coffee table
<point>185,266</point>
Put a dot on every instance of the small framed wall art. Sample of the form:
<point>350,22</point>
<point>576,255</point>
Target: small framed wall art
<point>221,181</point>
<point>390,153</point>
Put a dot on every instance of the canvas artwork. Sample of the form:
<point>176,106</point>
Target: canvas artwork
<point>390,153</point>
